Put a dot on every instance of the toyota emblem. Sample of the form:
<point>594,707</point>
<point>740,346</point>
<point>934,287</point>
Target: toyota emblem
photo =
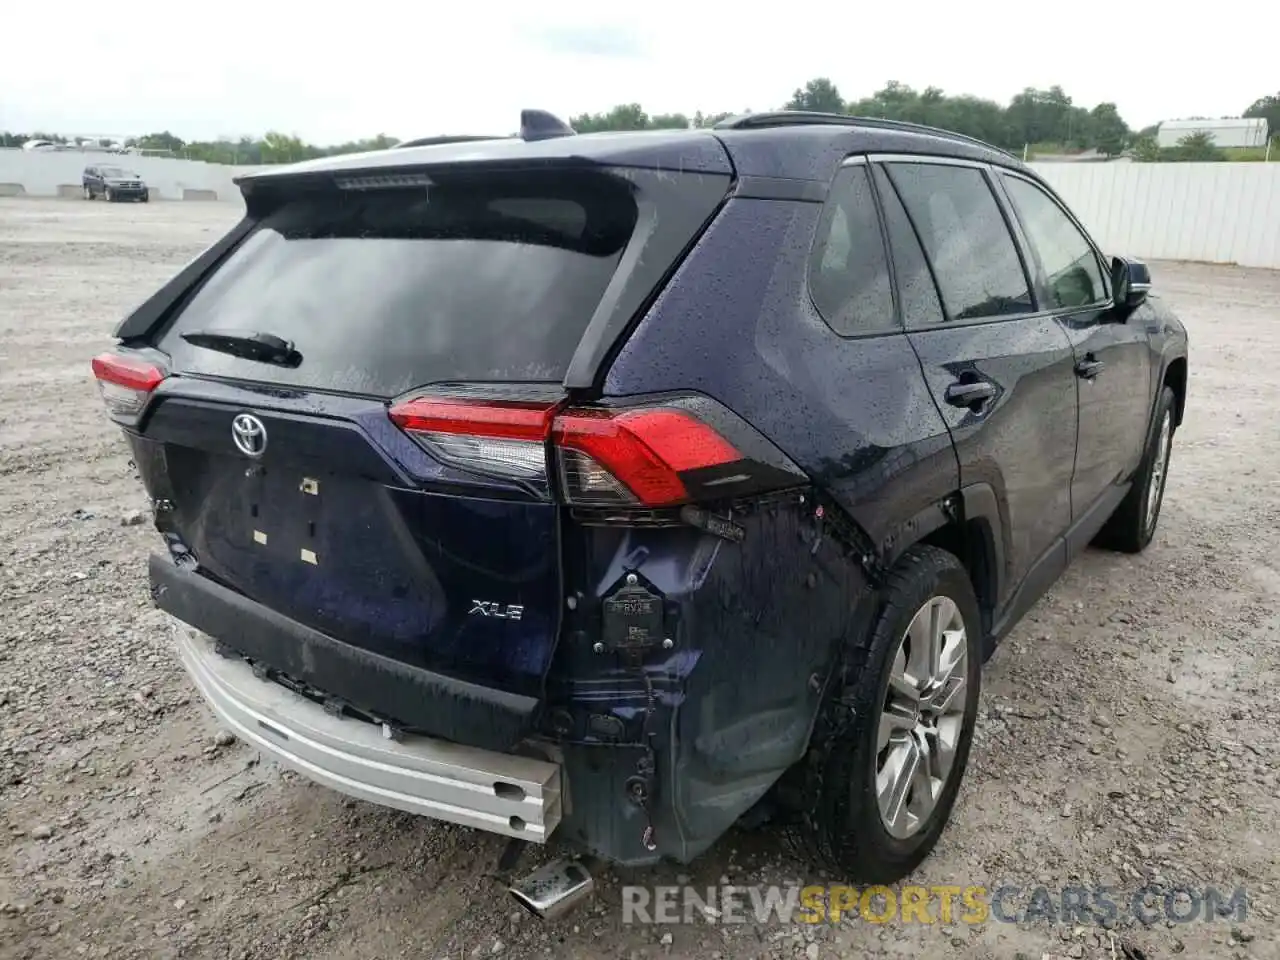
<point>249,435</point>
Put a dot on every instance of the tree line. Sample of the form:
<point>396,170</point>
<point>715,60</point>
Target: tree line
<point>1036,120</point>
<point>1039,121</point>
<point>1033,116</point>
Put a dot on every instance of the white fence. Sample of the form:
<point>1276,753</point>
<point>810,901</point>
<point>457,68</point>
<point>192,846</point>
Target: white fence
<point>1212,212</point>
<point>1215,212</point>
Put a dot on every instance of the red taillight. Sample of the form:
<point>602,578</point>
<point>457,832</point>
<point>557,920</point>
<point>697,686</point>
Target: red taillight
<point>509,420</point>
<point>606,457</point>
<point>503,438</point>
<point>126,384</point>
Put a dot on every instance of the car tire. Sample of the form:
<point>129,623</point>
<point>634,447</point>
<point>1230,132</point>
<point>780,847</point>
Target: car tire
<point>1133,525</point>
<point>88,192</point>
<point>108,195</point>
<point>865,734</point>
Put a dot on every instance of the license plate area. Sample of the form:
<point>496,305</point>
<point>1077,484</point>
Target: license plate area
<point>374,565</point>
<point>284,514</point>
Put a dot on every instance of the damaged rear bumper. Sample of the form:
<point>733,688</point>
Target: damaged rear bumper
<point>416,698</point>
<point>500,793</point>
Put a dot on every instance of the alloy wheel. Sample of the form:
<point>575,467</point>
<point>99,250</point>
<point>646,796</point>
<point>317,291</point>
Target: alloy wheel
<point>923,717</point>
<point>1159,471</point>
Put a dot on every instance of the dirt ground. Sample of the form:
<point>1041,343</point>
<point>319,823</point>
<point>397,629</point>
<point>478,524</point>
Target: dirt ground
<point>1129,730</point>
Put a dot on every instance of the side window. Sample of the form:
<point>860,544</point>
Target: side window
<point>966,239</point>
<point>1075,279</point>
<point>848,268</point>
<point>916,290</point>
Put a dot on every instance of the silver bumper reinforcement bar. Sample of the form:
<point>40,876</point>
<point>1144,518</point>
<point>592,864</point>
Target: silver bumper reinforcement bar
<point>500,793</point>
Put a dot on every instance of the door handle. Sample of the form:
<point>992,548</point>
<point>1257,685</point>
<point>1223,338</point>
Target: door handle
<point>1089,368</point>
<point>972,395</point>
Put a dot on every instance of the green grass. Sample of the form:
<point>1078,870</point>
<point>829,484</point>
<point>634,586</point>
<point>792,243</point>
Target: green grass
<point>1252,153</point>
<point>1241,154</point>
<point>1049,150</point>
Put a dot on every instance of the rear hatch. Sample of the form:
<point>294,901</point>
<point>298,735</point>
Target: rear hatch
<point>298,423</point>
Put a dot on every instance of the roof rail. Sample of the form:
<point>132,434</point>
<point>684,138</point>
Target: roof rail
<point>461,138</point>
<point>782,118</point>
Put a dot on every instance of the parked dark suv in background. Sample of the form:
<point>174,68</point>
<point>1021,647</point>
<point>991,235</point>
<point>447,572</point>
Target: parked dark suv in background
<point>611,488</point>
<point>113,183</point>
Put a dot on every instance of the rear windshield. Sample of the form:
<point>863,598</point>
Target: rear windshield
<point>384,290</point>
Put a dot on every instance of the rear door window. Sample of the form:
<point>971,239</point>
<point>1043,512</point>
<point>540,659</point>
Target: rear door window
<point>481,279</point>
<point>916,290</point>
<point>979,272</point>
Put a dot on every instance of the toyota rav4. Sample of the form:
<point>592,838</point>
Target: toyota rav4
<point>612,489</point>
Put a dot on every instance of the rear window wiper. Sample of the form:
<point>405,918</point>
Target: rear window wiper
<point>262,347</point>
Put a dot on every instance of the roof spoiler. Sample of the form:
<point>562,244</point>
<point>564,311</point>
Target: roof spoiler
<point>433,141</point>
<point>534,125</point>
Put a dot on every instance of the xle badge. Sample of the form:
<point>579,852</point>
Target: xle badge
<point>490,608</point>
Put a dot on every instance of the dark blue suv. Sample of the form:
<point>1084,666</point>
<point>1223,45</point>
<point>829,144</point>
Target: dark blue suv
<point>611,489</point>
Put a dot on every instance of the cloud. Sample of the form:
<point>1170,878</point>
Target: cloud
<point>416,69</point>
<point>614,41</point>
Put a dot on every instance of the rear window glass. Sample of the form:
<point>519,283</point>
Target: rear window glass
<point>384,290</point>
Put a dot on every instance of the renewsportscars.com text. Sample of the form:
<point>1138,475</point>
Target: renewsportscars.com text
<point>973,904</point>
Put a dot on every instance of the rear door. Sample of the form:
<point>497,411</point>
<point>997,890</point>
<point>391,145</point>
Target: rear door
<point>289,480</point>
<point>1113,369</point>
<point>1000,373</point>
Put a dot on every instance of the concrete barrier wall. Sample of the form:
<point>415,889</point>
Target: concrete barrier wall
<point>1211,212</point>
<point>40,173</point>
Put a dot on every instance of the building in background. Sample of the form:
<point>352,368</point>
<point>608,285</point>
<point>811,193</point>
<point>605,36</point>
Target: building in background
<point>1226,132</point>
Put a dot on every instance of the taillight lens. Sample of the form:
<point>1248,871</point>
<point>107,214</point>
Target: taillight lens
<point>126,384</point>
<point>635,457</point>
<point>503,438</point>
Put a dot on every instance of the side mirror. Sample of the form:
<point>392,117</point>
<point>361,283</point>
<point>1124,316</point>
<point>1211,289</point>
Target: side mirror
<point>1130,282</point>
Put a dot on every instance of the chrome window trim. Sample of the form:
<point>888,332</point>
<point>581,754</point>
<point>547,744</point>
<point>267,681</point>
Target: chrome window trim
<point>933,158</point>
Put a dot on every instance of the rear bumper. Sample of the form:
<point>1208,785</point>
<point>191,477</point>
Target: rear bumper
<point>420,700</point>
<point>499,793</point>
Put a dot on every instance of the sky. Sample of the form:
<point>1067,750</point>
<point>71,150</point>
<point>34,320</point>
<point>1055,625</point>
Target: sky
<point>336,71</point>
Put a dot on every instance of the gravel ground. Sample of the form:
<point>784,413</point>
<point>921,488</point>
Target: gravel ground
<point>1129,731</point>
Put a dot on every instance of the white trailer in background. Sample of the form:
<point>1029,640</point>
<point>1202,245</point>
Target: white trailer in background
<point>1226,132</point>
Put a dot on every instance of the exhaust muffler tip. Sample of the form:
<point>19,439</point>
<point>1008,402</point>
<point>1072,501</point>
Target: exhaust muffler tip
<point>554,889</point>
